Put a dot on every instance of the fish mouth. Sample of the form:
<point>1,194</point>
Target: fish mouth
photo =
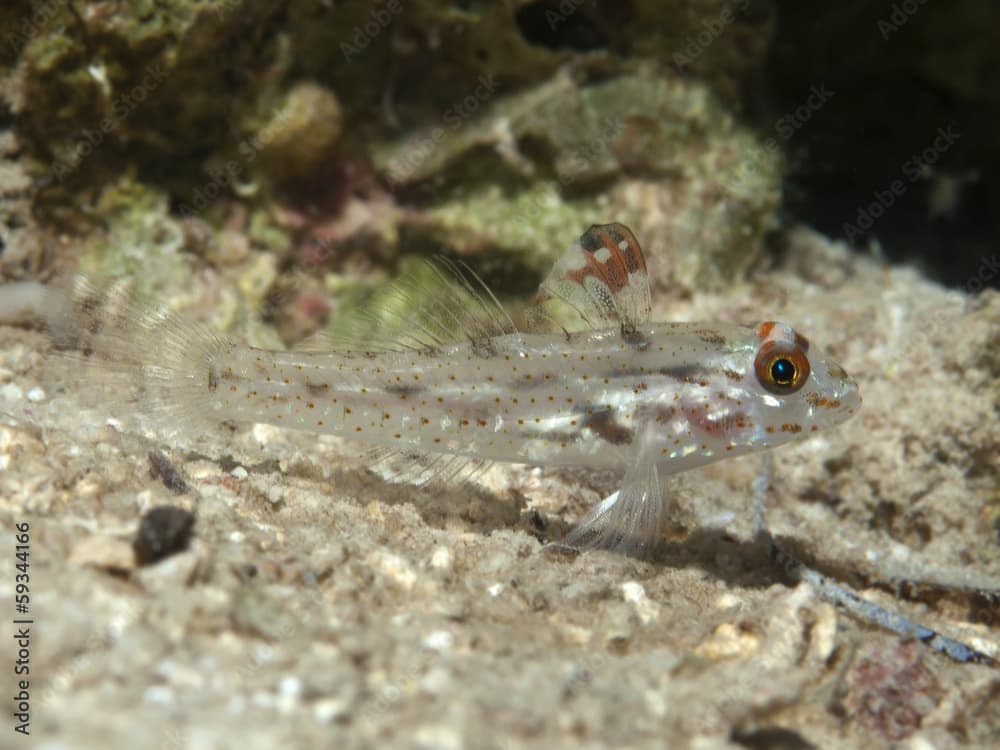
<point>850,395</point>
<point>846,395</point>
<point>837,398</point>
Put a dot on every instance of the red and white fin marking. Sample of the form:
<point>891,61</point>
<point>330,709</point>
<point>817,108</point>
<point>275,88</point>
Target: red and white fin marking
<point>602,277</point>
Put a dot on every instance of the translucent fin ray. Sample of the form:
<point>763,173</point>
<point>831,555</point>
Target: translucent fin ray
<point>630,520</point>
<point>150,360</point>
<point>443,302</point>
<point>424,469</point>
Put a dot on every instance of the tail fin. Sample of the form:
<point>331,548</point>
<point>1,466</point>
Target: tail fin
<point>154,360</point>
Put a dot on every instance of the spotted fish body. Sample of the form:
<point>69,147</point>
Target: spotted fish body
<point>688,392</point>
<point>461,380</point>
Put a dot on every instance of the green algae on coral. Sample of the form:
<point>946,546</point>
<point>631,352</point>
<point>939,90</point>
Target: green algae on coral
<point>299,132</point>
<point>146,77</point>
<point>140,239</point>
<point>535,167</point>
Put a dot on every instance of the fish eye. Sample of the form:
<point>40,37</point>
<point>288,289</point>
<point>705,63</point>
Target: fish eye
<point>783,371</point>
<point>781,367</point>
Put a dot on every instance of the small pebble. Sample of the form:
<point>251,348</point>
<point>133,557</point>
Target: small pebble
<point>439,640</point>
<point>275,493</point>
<point>647,610</point>
<point>163,531</point>
<point>160,467</point>
<point>441,559</point>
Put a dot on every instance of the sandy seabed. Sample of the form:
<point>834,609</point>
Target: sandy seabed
<point>321,607</point>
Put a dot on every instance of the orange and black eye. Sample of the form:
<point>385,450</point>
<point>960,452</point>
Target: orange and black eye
<point>782,367</point>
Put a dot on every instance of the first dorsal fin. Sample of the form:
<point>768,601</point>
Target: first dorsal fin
<point>440,302</point>
<point>602,278</point>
